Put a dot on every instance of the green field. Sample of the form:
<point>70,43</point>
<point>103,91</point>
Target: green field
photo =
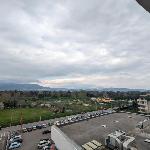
<point>13,116</point>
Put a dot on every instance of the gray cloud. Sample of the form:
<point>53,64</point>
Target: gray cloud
<point>70,43</point>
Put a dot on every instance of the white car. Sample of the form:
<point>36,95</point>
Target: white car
<point>147,140</point>
<point>104,126</point>
<point>46,147</point>
<point>14,145</point>
<point>43,144</point>
<point>15,137</point>
<point>44,125</point>
<point>116,121</point>
<point>34,128</point>
<point>24,130</point>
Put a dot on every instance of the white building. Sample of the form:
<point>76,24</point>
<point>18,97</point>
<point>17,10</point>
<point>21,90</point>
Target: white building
<point>120,140</point>
<point>143,104</point>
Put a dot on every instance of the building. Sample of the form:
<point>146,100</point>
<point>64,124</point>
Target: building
<point>85,134</point>
<point>121,140</point>
<point>144,104</point>
<point>104,100</point>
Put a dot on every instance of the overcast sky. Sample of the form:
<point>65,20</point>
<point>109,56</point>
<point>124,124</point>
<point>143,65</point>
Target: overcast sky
<point>75,43</point>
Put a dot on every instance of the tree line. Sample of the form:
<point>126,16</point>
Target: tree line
<point>13,99</point>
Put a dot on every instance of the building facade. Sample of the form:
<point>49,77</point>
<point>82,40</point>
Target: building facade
<point>143,104</point>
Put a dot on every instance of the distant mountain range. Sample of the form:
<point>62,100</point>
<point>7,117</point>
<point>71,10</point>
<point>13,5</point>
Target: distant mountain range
<point>36,87</point>
<point>122,89</point>
<point>14,86</point>
<point>26,87</point>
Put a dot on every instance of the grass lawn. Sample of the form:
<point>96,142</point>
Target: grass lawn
<point>28,115</point>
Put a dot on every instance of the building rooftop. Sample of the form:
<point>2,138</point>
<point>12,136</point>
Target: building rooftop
<point>98,128</point>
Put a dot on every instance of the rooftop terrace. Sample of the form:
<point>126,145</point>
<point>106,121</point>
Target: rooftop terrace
<point>98,128</point>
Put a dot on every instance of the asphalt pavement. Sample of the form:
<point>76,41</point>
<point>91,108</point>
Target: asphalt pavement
<point>31,139</point>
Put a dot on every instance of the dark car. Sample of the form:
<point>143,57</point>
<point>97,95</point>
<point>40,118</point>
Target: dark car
<point>29,129</point>
<point>18,140</point>
<point>39,126</point>
<point>50,123</point>
<point>46,131</point>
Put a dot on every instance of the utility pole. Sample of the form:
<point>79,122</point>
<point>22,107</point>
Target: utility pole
<point>96,105</point>
<point>11,118</point>
<point>21,120</point>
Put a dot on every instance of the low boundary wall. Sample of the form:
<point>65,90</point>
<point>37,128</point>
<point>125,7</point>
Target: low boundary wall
<point>62,141</point>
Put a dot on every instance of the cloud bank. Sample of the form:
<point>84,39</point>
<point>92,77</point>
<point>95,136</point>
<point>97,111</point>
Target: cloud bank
<point>67,43</point>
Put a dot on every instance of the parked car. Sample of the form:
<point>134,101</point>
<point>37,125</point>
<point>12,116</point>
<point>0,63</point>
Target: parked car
<point>43,143</point>
<point>39,126</point>
<point>147,140</point>
<point>34,127</point>
<point>29,129</point>
<point>14,133</point>
<point>14,145</point>
<point>24,130</point>
<point>46,147</point>
<point>47,139</point>
<point>15,138</point>
<point>44,125</point>
<point>50,123</point>
<point>46,131</point>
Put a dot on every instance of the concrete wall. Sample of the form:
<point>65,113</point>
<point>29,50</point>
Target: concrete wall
<point>62,141</point>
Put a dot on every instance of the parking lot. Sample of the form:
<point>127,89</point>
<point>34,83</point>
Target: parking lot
<point>98,128</point>
<point>31,139</point>
<point>141,144</point>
